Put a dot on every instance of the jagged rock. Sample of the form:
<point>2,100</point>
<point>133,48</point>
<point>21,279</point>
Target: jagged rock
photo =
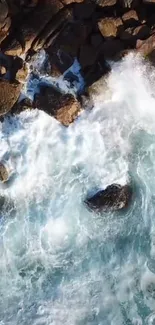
<point>9,94</point>
<point>64,107</point>
<point>32,27</point>
<point>145,47</point>
<point>114,197</point>
<point>4,173</point>
<point>130,18</point>
<point>66,48</point>
<point>110,27</point>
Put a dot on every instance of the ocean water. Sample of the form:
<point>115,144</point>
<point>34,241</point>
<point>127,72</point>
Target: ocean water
<point>61,264</point>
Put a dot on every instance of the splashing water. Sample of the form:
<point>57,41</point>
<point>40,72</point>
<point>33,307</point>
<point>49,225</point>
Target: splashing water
<point>59,262</point>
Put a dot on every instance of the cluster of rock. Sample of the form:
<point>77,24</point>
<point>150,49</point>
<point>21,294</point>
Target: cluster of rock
<point>93,31</point>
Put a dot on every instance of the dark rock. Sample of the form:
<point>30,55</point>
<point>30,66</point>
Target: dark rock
<point>4,173</point>
<point>25,104</point>
<point>9,94</point>
<point>88,55</point>
<point>149,1</point>
<point>131,35</point>
<point>110,27</point>
<point>96,40</point>
<point>112,49</point>
<point>130,18</point>
<point>84,10</point>
<point>64,107</point>
<point>66,47</point>
<point>95,72</point>
<point>67,2</point>
<point>114,197</point>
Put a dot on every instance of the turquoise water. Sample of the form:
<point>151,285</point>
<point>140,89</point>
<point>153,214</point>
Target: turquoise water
<point>59,262</point>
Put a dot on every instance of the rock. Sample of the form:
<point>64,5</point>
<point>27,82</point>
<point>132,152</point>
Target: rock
<point>145,47</point>
<point>32,27</point>
<point>96,40</point>
<point>2,70</point>
<point>130,35</point>
<point>25,104</point>
<point>66,48</point>
<point>141,32</point>
<point>5,21</point>
<point>106,3</point>
<point>149,1</point>
<point>84,10</point>
<point>130,18</point>
<point>22,74</point>
<point>112,49</point>
<point>130,3</point>
<point>110,27</point>
<point>9,94</point>
<point>64,107</point>
<point>88,55</point>
<point>93,73</point>
<point>4,173</point>
<point>115,197</point>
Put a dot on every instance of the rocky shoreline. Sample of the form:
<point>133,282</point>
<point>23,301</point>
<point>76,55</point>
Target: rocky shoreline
<point>91,31</point>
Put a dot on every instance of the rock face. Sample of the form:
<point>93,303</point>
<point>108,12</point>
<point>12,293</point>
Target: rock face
<point>4,174</point>
<point>114,197</point>
<point>9,94</point>
<point>64,107</point>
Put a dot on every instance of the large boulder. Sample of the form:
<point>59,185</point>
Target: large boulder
<point>64,107</point>
<point>9,94</point>
<point>115,197</point>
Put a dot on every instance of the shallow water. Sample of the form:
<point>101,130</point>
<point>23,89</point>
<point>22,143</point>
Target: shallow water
<point>59,262</point>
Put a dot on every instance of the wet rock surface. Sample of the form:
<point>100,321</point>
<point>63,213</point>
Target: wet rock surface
<point>64,107</point>
<point>115,197</point>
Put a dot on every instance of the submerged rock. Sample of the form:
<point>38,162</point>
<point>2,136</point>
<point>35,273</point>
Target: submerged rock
<point>4,173</point>
<point>114,197</point>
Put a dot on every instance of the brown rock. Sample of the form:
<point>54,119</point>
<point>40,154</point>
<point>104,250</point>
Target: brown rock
<point>110,27</point>
<point>5,21</point>
<point>9,94</point>
<point>145,47</point>
<point>4,173</point>
<point>64,107</point>
<point>32,27</point>
<point>106,3</point>
<point>22,74</point>
<point>130,18</point>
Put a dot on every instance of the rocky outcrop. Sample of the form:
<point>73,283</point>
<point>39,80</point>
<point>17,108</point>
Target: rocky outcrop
<point>64,107</point>
<point>115,197</point>
<point>9,94</point>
